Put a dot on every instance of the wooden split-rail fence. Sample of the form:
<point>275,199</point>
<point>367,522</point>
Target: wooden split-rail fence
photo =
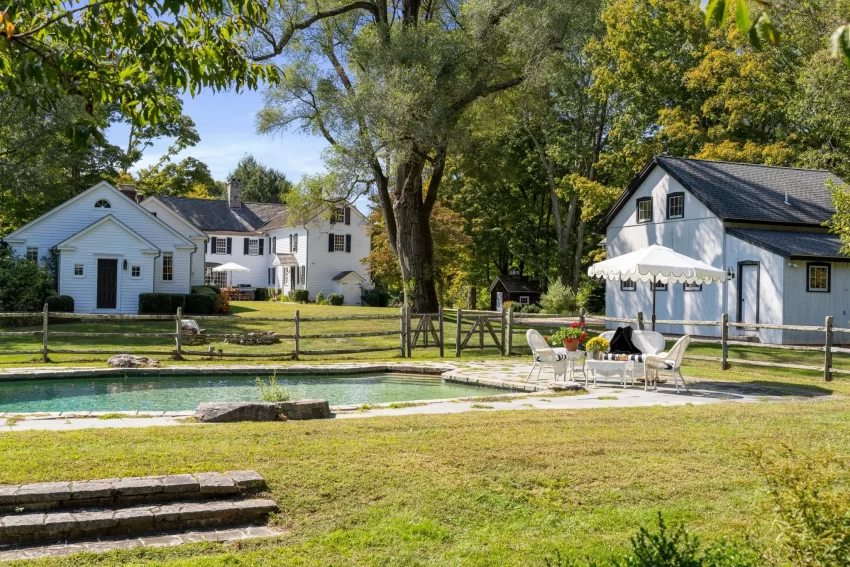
<point>474,329</point>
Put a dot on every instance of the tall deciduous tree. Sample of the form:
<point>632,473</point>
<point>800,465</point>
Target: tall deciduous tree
<point>387,85</point>
<point>261,184</point>
<point>177,179</point>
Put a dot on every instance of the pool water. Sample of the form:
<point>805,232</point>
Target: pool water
<point>184,393</point>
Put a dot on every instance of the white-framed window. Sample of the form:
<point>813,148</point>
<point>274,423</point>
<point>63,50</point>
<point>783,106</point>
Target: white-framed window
<point>79,270</point>
<point>523,300</point>
<point>253,246</point>
<point>221,246</point>
<point>102,204</point>
<point>339,243</point>
<point>676,205</point>
<point>338,215</point>
<point>218,279</point>
<point>167,266</point>
<point>627,285</point>
<point>32,253</point>
<point>644,209</point>
<point>692,287</point>
<point>657,286</point>
<point>135,271</point>
<point>818,277</point>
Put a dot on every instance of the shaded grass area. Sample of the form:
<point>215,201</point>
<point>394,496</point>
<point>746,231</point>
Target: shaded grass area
<point>481,488</point>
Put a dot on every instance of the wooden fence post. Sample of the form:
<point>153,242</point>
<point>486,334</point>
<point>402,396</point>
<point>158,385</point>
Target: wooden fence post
<point>458,325</point>
<point>481,331</point>
<point>724,342</point>
<point>179,334</point>
<point>504,330</point>
<point>510,338</point>
<point>408,331</point>
<point>827,359</point>
<point>45,316</point>
<point>442,336</point>
<point>401,332</point>
<point>581,316</point>
<point>640,320</point>
<point>297,333</point>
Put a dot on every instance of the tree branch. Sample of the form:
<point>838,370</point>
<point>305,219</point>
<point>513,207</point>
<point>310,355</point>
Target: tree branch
<point>481,92</point>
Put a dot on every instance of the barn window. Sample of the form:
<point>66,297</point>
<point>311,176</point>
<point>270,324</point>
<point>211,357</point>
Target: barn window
<point>79,270</point>
<point>657,286</point>
<point>818,280</point>
<point>167,267</point>
<point>135,271</point>
<point>692,287</point>
<point>644,209</point>
<point>32,253</point>
<point>102,204</point>
<point>676,205</point>
<point>523,300</point>
<point>627,285</point>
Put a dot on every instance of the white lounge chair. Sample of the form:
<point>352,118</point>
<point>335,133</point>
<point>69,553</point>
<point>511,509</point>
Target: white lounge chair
<point>671,361</point>
<point>542,353</point>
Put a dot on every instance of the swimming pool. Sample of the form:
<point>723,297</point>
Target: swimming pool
<point>184,393</point>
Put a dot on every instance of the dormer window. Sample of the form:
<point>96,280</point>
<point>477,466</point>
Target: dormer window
<point>102,204</point>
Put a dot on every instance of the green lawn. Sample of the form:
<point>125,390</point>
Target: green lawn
<point>487,488</point>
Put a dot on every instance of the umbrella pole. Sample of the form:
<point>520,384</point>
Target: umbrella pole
<point>654,285</point>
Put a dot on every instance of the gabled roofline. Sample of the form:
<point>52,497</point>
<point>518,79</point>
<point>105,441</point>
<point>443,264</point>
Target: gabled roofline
<point>118,193</point>
<point>108,218</point>
<point>182,219</point>
<point>784,253</point>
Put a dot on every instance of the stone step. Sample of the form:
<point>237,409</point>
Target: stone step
<point>112,492</point>
<point>58,526</point>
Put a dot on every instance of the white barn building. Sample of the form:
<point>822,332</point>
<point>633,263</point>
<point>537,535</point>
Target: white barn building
<point>762,224</point>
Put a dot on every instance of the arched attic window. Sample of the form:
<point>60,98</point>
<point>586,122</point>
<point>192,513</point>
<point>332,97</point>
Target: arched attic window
<point>102,204</point>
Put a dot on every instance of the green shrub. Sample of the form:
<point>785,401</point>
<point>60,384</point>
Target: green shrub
<point>591,296</point>
<point>155,304</point>
<point>24,285</point>
<point>516,307</point>
<point>299,295</point>
<point>531,308</point>
<point>272,392</point>
<point>177,300</point>
<point>335,299</point>
<point>200,304</point>
<point>376,297</point>
<point>558,299</point>
<point>60,304</point>
<point>264,294</point>
<point>320,298</point>
<point>205,290</point>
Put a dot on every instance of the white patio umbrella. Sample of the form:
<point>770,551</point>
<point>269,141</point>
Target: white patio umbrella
<point>231,267</point>
<point>656,264</point>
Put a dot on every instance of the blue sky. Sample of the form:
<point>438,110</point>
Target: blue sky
<point>225,122</point>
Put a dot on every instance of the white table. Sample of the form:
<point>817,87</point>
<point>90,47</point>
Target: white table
<point>568,364</point>
<point>606,368</point>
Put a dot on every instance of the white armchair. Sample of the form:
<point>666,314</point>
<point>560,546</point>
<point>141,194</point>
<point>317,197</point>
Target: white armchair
<point>543,354</point>
<point>671,361</point>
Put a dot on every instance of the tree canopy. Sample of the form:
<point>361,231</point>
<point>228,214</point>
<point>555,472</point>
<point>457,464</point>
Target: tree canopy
<point>261,184</point>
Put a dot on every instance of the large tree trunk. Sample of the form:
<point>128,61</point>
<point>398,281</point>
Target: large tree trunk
<point>578,256</point>
<point>414,243</point>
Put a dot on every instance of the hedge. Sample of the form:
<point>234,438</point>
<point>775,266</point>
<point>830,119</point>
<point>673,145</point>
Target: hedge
<point>156,303</point>
<point>200,304</point>
<point>376,297</point>
<point>60,303</point>
<point>336,299</point>
<point>206,289</point>
<point>299,295</point>
<point>264,293</point>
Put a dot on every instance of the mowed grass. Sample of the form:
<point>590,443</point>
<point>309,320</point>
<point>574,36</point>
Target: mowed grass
<point>481,488</point>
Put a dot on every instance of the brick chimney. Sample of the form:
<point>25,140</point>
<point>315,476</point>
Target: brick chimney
<point>234,193</point>
<point>129,191</point>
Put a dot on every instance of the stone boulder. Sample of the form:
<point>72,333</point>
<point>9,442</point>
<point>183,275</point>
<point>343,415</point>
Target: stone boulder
<point>305,409</point>
<point>131,361</point>
<point>252,339</point>
<point>225,412</point>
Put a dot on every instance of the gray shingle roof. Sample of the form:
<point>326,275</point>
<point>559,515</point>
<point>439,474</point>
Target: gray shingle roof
<point>745,192</point>
<point>342,275</point>
<point>216,215</point>
<point>793,243</point>
<point>516,284</point>
<point>279,220</point>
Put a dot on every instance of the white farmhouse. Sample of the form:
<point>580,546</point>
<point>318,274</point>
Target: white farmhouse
<point>108,250</point>
<point>319,255</point>
<point>762,224</point>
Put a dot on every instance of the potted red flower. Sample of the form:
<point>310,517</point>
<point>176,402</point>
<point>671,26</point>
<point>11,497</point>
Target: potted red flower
<point>570,337</point>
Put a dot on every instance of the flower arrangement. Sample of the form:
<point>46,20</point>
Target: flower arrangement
<point>596,345</point>
<point>570,337</point>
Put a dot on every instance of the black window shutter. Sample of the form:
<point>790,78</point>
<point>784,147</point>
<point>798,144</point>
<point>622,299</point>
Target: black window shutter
<point>290,244</point>
<point>205,246</point>
<point>229,245</point>
<point>245,242</point>
<point>297,275</point>
<point>348,243</point>
<point>330,242</point>
<point>295,243</point>
<point>347,215</point>
<point>212,245</point>
<point>260,252</point>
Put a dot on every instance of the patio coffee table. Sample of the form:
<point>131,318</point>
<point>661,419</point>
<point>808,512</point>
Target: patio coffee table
<point>606,368</point>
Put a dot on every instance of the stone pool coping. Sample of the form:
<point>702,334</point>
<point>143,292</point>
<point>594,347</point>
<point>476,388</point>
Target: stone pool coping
<point>462,374</point>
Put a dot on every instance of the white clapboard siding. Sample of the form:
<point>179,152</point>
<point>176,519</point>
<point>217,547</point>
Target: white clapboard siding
<point>323,265</point>
<point>257,263</point>
<point>175,221</point>
<point>802,307</point>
